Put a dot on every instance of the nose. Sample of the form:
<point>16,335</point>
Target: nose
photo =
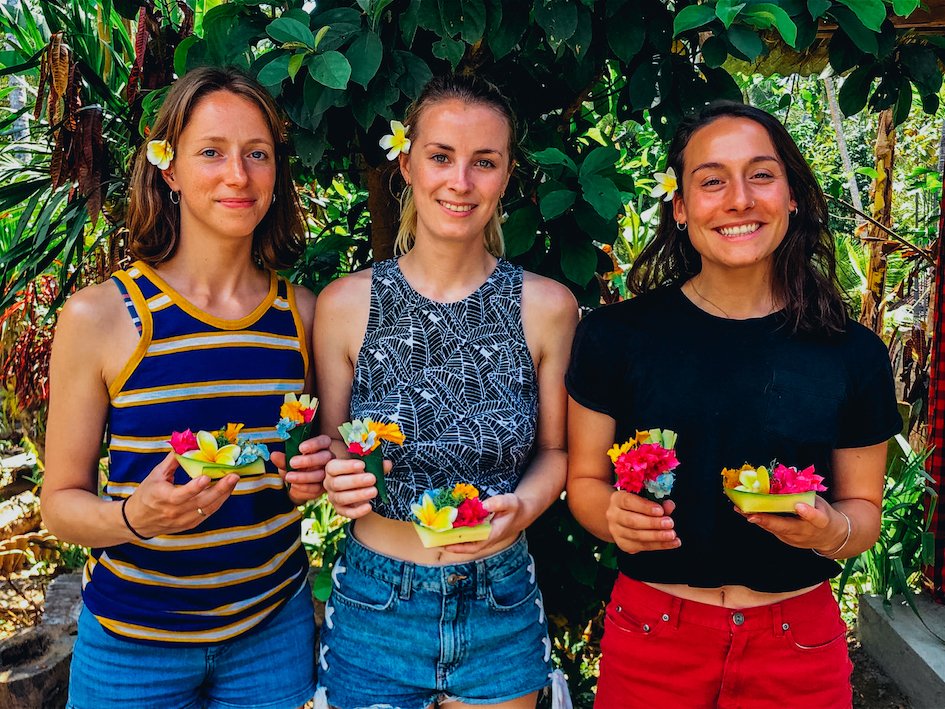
<point>235,170</point>
<point>740,193</point>
<point>459,179</point>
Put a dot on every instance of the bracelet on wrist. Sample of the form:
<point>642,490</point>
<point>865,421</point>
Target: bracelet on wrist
<point>124,516</point>
<point>832,554</point>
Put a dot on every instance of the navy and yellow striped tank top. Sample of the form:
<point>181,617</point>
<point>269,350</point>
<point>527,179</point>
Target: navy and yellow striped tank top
<point>192,370</point>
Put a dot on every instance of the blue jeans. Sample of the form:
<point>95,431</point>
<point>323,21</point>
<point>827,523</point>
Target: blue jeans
<point>268,668</point>
<point>403,635</point>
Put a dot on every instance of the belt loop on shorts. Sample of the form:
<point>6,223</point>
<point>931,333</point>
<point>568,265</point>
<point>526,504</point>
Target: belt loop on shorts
<point>777,620</point>
<point>675,611</point>
<point>406,579</point>
<point>481,580</point>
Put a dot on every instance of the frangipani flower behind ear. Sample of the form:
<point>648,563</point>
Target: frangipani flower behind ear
<point>160,153</point>
<point>666,184</point>
<point>397,141</point>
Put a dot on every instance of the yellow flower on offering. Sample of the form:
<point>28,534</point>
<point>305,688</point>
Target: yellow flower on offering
<point>730,477</point>
<point>396,142</point>
<point>439,520</point>
<point>465,491</point>
<point>160,153</point>
<point>754,479</point>
<point>209,452</point>
<point>232,431</point>
<point>618,450</point>
<point>386,432</point>
<point>292,410</point>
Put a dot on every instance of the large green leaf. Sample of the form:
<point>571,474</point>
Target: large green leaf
<point>780,19</point>
<point>364,55</point>
<point>553,156</point>
<point>872,13</point>
<point>466,18</point>
<point>558,18</point>
<point>452,50</point>
<point>519,230</point>
<point>601,193</point>
<point>817,8</point>
<point>625,36</point>
<point>599,159</point>
<point>692,17</point>
<point>556,203</point>
<point>286,29</point>
<point>855,90</point>
<point>578,261</point>
<point>727,11</point>
<point>922,65</point>
<point>275,72</point>
<point>746,41</point>
<point>330,69</point>
<point>860,34</point>
<point>904,8</point>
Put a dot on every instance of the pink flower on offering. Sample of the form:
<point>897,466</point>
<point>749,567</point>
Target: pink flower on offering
<point>630,474</point>
<point>470,513</point>
<point>307,415</point>
<point>788,481</point>
<point>183,441</point>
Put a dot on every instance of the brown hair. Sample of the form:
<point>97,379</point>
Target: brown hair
<point>153,221</point>
<point>471,90</point>
<point>804,273</point>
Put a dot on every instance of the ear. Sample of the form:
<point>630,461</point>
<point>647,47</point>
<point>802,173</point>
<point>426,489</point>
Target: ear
<point>679,209</point>
<point>792,204</point>
<point>168,176</point>
<point>404,161</point>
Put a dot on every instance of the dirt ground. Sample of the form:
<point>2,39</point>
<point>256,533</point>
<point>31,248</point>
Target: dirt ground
<point>22,596</point>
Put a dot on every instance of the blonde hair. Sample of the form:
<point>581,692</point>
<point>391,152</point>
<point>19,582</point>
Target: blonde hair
<point>471,90</point>
<point>153,221</point>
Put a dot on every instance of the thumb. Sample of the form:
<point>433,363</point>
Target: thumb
<point>815,516</point>
<point>166,468</point>
<point>500,503</point>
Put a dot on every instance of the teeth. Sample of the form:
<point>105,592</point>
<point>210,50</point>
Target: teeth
<point>458,207</point>
<point>738,230</point>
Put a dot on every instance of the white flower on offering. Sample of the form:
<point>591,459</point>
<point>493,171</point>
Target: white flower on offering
<point>160,153</point>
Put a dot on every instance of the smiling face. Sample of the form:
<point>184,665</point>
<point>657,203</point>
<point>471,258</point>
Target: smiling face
<point>735,195</point>
<point>224,168</point>
<point>459,165</point>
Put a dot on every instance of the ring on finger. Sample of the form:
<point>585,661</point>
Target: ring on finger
<point>201,512</point>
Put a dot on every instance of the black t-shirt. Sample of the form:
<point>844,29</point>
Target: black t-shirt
<point>735,391</point>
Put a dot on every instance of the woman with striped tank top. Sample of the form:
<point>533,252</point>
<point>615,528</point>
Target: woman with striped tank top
<point>195,592</point>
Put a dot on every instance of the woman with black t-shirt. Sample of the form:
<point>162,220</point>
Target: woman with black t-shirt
<point>739,342</point>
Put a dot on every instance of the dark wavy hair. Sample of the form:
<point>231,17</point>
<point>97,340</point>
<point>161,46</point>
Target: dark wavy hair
<point>804,271</point>
<point>153,221</point>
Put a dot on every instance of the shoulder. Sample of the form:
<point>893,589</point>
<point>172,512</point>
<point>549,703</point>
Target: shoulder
<point>635,311</point>
<point>863,348</point>
<point>91,320</point>
<point>304,301</point>
<point>547,298</point>
<point>351,292</point>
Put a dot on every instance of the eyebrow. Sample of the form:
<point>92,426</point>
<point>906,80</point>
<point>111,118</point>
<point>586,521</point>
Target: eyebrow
<point>718,165</point>
<point>221,139</point>
<point>480,151</point>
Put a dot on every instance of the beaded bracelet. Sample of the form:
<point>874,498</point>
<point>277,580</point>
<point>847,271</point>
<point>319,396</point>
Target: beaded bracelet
<point>124,516</point>
<point>831,554</point>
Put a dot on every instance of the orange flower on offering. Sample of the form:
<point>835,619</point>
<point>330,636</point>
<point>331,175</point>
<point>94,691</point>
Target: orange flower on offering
<point>233,431</point>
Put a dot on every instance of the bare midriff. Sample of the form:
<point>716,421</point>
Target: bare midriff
<point>399,540</point>
<point>727,596</point>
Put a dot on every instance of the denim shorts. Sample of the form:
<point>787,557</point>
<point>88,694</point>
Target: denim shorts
<point>402,635</point>
<point>268,668</point>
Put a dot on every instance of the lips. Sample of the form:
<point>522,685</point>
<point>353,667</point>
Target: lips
<point>237,203</point>
<point>739,230</point>
<point>457,208</point>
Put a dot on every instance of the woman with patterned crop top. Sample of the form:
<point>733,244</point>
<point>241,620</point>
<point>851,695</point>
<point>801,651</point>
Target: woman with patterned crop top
<point>466,353</point>
<point>195,592</point>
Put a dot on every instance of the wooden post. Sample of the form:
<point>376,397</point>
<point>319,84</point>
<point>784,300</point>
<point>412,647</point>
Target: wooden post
<point>871,313</point>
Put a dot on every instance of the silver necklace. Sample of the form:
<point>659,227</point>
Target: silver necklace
<point>706,300</point>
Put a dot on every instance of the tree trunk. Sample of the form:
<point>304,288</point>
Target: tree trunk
<point>871,314</point>
<point>384,209</point>
<point>830,86</point>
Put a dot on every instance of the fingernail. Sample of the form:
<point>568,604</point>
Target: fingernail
<point>666,523</point>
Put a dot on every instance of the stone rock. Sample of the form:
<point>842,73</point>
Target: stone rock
<point>34,668</point>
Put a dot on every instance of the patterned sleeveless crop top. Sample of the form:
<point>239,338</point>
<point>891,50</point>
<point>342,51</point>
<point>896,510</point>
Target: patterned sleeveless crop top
<point>457,377</point>
<point>191,370</point>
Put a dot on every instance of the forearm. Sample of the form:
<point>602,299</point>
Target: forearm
<point>80,517</point>
<point>589,499</point>
<point>541,484</point>
<point>864,529</point>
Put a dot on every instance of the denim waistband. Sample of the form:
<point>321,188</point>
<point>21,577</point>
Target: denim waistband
<point>467,576</point>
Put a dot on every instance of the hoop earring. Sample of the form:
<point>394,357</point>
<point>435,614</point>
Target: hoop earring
<point>794,212</point>
<point>681,226</point>
<point>173,195</point>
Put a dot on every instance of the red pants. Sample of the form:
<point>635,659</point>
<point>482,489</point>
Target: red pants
<point>663,651</point>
